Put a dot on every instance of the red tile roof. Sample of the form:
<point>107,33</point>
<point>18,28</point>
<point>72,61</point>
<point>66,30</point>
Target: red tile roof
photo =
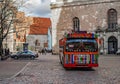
<point>40,26</point>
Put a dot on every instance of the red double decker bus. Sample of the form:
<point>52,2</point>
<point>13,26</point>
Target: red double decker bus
<point>79,49</point>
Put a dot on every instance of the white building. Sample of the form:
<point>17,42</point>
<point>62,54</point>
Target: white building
<point>38,33</point>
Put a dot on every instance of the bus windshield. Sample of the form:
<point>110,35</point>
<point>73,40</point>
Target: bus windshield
<point>81,45</point>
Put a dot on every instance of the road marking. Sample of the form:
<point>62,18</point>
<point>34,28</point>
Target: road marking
<point>20,71</point>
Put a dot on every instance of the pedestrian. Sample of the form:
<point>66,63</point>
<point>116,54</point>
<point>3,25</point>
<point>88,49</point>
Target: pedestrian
<point>42,51</point>
<point>8,51</point>
<point>45,51</point>
<point>5,52</point>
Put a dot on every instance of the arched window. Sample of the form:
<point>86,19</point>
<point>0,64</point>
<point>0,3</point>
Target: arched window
<point>112,18</point>
<point>76,24</point>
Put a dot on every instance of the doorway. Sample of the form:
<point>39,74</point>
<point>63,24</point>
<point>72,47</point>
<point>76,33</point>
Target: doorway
<point>112,45</point>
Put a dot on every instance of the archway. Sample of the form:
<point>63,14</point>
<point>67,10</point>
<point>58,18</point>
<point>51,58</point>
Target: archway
<point>112,45</point>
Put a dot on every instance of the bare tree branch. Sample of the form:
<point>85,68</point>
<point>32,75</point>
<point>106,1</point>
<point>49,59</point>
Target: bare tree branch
<point>8,10</point>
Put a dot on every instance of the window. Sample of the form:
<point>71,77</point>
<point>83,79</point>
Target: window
<point>112,18</point>
<point>37,43</point>
<point>76,24</point>
<point>81,45</point>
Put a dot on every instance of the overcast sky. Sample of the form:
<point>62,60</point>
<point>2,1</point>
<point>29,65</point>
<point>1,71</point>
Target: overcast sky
<point>37,8</point>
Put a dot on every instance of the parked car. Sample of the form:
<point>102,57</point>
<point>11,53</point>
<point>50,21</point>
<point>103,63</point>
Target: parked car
<point>24,54</point>
<point>118,52</point>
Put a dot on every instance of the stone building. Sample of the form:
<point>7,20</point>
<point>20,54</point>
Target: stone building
<point>32,30</point>
<point>38,33</point>
<point>100,16</point>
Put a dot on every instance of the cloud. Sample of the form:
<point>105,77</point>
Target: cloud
<point>37,8</point>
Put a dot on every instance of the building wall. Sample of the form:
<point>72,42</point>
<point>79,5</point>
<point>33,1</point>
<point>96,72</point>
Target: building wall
<point>49,39</point>
<point>106,36</point>
<point>8,41</point>
<point>30,39</point>
<point>22,27</point>
<point>91,15</point>
<point>39,30</point>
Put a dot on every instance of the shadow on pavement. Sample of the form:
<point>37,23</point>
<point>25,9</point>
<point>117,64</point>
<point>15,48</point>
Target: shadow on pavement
<point>80,69</point>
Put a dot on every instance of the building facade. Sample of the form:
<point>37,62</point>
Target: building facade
<point>98,16</point>
<point>21,30</point>
<point>7,14</point>
<point>37,37</point>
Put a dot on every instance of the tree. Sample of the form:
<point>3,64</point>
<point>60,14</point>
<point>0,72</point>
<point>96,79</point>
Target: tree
<point>8,10</point>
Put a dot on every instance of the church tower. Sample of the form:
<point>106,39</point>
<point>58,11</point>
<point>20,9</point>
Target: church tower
<point>87,15</point>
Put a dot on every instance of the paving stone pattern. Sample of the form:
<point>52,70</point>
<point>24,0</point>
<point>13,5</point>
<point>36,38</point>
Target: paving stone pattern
<point>47,70</point>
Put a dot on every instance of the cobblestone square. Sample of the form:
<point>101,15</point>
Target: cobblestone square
<point>47,70</point>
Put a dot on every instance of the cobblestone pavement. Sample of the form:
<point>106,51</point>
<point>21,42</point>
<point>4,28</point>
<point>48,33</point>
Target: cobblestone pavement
<point>47,70</point>
<point>10,67</point>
